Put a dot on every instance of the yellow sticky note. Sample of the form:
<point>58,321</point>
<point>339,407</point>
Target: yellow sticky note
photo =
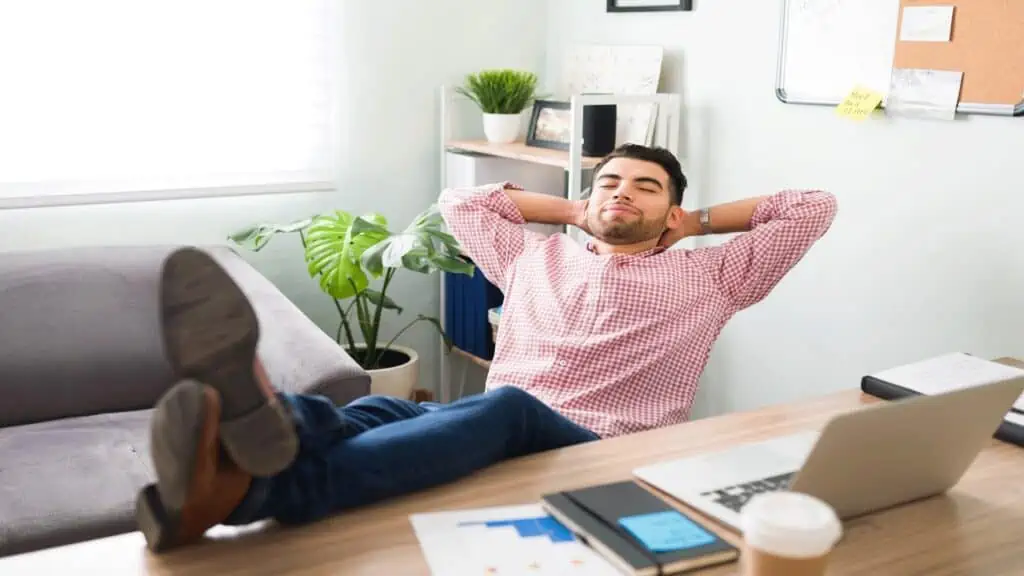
<point>859,104</point>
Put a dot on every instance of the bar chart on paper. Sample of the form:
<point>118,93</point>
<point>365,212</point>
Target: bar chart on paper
<point>504,541</point>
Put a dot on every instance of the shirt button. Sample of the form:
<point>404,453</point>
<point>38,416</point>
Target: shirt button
<point>562,362</point>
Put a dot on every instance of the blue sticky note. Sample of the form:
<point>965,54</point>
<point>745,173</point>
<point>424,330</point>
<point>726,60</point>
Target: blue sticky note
<point>667,531</point>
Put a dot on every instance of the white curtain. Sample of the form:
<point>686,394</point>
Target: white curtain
<point>134,96</point>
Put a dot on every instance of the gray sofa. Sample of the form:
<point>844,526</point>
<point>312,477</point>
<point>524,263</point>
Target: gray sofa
<point>81,366</point>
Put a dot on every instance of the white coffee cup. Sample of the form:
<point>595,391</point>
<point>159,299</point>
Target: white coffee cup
<point>788,534</point>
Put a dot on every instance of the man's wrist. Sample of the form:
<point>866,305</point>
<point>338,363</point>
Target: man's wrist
<point>692,224</point>
<point>704,221</point>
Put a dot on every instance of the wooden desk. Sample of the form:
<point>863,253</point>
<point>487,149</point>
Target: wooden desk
<point>978,528</point>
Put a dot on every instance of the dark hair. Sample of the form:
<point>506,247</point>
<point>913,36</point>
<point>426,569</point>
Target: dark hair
<point>657,155</point>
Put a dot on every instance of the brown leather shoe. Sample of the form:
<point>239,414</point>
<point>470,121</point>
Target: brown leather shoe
<point>198,486</point>
<point>210,332</point>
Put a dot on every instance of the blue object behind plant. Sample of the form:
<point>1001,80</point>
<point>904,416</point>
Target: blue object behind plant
<point>467,300</point>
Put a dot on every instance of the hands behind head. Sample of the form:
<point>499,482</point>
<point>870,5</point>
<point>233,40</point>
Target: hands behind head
<point>580,216</point>
<point>689,226</point>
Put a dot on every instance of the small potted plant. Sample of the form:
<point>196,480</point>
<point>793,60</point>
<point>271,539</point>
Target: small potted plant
<point>502,95</point>
<point>343,253</point>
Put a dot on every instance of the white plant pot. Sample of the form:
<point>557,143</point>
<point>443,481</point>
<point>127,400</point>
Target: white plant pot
<point>501,128</point>
<point>397,381</point>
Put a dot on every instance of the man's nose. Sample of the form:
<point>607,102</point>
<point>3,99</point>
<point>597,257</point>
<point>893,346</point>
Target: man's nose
<point>622,192</point>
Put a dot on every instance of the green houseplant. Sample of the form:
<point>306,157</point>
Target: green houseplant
<point>345,253</point>
<point>502,95</point>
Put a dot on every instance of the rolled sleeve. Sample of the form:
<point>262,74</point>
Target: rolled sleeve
<point>783,228</point>
<point>489,228</point>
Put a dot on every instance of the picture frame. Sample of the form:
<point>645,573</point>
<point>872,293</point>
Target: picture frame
<point>550,125</point>
<point>650,5</point>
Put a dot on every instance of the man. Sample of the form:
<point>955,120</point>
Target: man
<point>596,340</point>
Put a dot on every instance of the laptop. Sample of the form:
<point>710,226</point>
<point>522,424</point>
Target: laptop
<point>862,461</point>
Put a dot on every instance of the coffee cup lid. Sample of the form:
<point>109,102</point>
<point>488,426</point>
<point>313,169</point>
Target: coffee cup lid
<point>790,524</point>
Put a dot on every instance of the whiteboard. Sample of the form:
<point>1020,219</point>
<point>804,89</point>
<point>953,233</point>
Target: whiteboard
<point>827,47</point>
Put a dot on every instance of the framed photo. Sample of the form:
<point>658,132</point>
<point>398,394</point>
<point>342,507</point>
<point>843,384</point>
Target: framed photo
<point>649,5</point>
<point>550,125</point>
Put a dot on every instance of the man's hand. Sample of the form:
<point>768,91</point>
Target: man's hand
<point>547,209</point>
<point>690,226</point>
<point>670,237</point>
<point>725,219</point>
<point>580,208</point>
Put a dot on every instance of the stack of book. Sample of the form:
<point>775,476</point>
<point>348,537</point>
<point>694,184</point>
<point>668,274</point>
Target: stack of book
<point>950,372</point>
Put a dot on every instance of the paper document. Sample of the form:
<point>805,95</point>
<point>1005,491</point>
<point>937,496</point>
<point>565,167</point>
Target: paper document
<point>950,372</point>
<point>927,24</point>
<point>859,104</point>
<point>919,93</point>
<point>504,541</point>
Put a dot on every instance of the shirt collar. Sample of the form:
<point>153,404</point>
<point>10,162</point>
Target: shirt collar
<point>644,254</point>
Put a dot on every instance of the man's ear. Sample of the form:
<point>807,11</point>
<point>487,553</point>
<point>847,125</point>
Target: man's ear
<point>676,217</point>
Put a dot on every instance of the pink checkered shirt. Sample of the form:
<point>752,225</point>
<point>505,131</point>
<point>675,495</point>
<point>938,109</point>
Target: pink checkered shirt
<point>617,343</point>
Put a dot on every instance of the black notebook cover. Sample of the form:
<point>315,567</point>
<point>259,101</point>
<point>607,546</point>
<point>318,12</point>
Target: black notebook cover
<point>621,521</point>
<point>1007,431</point>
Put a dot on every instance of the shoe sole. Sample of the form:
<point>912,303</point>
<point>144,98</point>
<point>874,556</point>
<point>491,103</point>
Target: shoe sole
<point>156,524</point>
<point>184,410</point>
<point>210,333</point>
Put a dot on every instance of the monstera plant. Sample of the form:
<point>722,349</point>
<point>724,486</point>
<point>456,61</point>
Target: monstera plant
<point>346,254</point>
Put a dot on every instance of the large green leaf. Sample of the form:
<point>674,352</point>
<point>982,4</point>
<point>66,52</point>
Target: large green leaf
<point>366,233</point>
<point>422,247</point>
<point>453,265</point>
<point>256,237</point>
<point>400,246</point>
<point>334,245</point>
<point>437,250</point>
<point>373,258</point>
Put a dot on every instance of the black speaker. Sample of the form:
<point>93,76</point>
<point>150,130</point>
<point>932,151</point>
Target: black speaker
<point>598,129</point>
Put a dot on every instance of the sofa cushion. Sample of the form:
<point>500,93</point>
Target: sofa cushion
<point>71,480</point>
<point>80,334</point>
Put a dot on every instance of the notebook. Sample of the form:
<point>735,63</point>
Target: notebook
<point>949,372</point>
<point>638,532</point>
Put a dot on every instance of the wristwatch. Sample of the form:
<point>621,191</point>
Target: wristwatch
<point>705,220</point>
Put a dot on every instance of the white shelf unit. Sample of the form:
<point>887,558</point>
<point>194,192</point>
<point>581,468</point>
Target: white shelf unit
<point>666,134</point>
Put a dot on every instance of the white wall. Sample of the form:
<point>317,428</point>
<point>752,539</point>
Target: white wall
<point>926,255</point>
<point>392,67</point>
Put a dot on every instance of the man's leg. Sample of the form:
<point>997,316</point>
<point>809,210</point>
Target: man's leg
<point>337,471</point>
<point>227,449</point>
<point>332,424</point>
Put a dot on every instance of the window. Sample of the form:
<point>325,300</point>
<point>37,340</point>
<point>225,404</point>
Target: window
<point>129,98</point>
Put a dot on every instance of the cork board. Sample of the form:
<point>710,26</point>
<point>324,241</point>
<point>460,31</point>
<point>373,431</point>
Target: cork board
<point>986,44</point>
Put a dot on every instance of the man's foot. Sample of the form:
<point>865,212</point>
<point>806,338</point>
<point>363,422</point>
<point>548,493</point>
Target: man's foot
<point>210,332</point>
<point>196,487</point>
<point>225,401</point>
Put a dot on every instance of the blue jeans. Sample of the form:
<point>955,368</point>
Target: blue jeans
<point>379,447</point>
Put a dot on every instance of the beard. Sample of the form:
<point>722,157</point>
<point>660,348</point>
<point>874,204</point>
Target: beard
<point>618,229</point>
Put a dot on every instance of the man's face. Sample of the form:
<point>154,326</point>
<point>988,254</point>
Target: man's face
<point>630,202</point>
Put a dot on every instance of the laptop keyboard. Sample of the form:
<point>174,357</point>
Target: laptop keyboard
<point>735,497</point>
